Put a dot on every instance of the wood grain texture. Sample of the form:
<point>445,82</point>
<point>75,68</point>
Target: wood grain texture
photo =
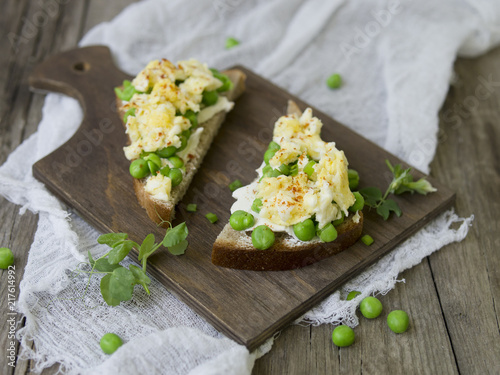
<point>90,174</point>
<point>309,350</point>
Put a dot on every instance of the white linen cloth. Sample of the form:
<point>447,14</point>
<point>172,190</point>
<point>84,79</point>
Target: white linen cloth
<point>396,59</point>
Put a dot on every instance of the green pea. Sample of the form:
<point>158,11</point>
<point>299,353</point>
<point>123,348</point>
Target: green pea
<point>191,207</point>
<point>334,81</point>
<point>165,170</point>
<point>127,92</point>
<point>241,220</point>
<point>209,97</point>
<point>154,158</point>
<point>192,117</point>
<point>309,168</point>
<point>110,342</point>
<point>257,205</point>
<point>328,233</point>
<point>353,178</point>
<point>358,204</point>
<point>343,336</point>
<point>273,146</point>
<point>153,167</point>
<point>175,175</point>
<point>284,169</point>
<point>130,112</point>
<point>262,237</point>
<point>353,294</point>
<point>167,152</point>
<point>236,184</point>
<point>398,321</point>
<point>226,82</point>
<point>268,155</point>
<point>370,307</point>
<point>305,231</point>
<point>139,168</point>
<point>176,161</point>
<point>337,222</point>
<point>6,258</point>
<point>184,142</point>
<point>212,217</point>
<point>367,239</point>
<point>231,42</point>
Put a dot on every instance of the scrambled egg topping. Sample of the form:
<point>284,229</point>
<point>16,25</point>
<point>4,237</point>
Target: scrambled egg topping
<point>288,200</point>
<point>158,119</point>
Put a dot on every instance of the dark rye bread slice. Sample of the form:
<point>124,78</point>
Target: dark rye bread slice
<point>160,211</point>
<point>234,249</point>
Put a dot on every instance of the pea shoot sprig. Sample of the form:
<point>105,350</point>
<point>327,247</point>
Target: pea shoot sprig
<point>118,282</point>
<point>402,182</point>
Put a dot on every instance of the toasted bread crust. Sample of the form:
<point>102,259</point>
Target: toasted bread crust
<point>160,211</point>
<point>234,249</point>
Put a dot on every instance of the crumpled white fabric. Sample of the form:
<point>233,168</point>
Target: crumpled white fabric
<point>396,59</point>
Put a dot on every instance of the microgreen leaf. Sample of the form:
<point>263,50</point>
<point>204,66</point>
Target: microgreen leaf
<point>372,195</point>
<point>178,249</point>
<point>119,252</point>
<point>121,284</point>
<point>421,186</point>
<point>385,208</point>
<point>112,239</point>
<point>106,294</point>
<point>175,235</point>
<point>140,277</point>
<point>91,260</point>
<point>146,245</point>
<point>103,265</point>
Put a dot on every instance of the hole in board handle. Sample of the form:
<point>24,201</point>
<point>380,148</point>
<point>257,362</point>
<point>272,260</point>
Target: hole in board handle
<point>81,67</point>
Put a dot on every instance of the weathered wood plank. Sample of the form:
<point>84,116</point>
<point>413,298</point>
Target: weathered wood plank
<point>424,348</point>
<point>103,11</point>
<point>467,274</point>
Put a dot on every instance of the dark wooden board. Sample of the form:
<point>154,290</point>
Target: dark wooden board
<point>90,174</point>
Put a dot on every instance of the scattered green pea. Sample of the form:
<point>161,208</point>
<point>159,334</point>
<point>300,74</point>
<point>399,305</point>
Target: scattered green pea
<point>337,222</point>
<point>176,161</point>
<point>353,294</point>
<point>305,231</point>
<point>165,170</point>
<point>328,233</point>
<point>334,81</point>
<point>139,168</point>
<point>398,321</point>
<point>241,220</point>
<point>153,167</point>
<point>353,178</point>
<point>110,342</point>
<point>184,142</point>
<point>212,217</point>
<point>370,307</point>
<point>236,184</point>
<point>231,42</point>
<point>358,204</point>
<point>209,97</point>
<point>127,92</point>
<point>167,152</point>
<point>192,117</point>
<point>257,205</point>
<point>6,258</point>
<point>367,239</point>
<point>175,175</point>
<point>262,237</point>
<point>226,82</point>
<point>154,158</point>
<point>343,336</point>
<point>191,207</point>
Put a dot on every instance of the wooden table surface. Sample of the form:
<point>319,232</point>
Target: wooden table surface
<point>452,297</point>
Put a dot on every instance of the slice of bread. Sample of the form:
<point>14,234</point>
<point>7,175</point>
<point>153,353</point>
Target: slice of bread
<point>160,211</point>
<point>234,249</point>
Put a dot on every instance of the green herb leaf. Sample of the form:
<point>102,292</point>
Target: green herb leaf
<point>120,251</point>
<point>112,239</point>
<point>91,260</point>
<point>121,284</point>
<point>146,245</point>
<point>106,294</point>
<point>421,186</point>
<point>175,235</point>
<point>372,196</point>
<point>386,207</point>
<point>103,265</point>
<point>179,249</point>
<point>140,277</point>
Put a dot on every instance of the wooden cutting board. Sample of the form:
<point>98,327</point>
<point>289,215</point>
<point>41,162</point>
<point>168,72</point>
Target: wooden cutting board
<point>90,173</point>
